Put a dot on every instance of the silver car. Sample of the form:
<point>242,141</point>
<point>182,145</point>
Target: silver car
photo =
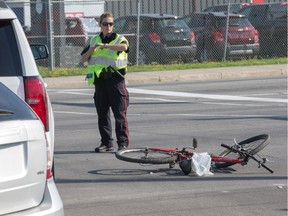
<point>29,189</point>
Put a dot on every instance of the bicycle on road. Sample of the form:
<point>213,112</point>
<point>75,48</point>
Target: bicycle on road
<point>238,153</point>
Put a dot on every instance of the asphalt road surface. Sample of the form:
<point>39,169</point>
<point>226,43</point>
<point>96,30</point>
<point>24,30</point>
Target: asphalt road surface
<point>170,115</point>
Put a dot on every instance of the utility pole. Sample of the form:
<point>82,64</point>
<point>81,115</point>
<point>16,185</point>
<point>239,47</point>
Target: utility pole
<point>138,30</point>
<point>226,32</point>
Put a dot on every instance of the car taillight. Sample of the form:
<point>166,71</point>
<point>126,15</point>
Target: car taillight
<point>154,37</point>
<point>36,98</point>
<point>192,37</point>
<point>217,37</point>
<point>256,37</point>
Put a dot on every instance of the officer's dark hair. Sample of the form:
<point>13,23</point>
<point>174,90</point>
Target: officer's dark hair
<point>105,15</point>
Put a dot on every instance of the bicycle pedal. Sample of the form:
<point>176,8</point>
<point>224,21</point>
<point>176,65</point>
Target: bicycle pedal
<point>172,165</point>
<point>244,163</point>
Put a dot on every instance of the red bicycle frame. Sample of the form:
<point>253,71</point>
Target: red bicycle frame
<point>184,154</point>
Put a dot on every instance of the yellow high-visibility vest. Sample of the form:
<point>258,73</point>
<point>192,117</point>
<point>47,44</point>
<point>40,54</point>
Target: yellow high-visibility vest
<point>102,58</point>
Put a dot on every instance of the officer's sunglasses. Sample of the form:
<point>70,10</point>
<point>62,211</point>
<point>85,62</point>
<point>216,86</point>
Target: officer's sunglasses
<point>107,23</point>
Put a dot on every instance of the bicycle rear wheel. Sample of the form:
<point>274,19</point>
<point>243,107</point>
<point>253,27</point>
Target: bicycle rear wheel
<point>252,146</point>
<point>146,156</point>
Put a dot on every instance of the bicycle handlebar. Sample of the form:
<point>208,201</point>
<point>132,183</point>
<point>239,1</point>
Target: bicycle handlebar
<point>248,156</point>
<point>226,146</point>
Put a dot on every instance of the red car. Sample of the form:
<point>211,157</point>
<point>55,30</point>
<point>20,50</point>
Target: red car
<point>216,42</point>
<point>79,29</point>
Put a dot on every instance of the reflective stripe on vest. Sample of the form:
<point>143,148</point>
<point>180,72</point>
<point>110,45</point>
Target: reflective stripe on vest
<point>119,63</point>
<point>110,58</point>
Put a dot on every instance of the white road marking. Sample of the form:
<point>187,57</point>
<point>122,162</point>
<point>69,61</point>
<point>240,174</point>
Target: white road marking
<point>178,95</point>
<point>207,96</point>
<point>169,114</point>
<point>69,90</point>
<point>202,102</point>
<point>76,93</point>
<point>76,113</point>
<point>160,99</point>
<point>181,94</point>
<point>232,104</point>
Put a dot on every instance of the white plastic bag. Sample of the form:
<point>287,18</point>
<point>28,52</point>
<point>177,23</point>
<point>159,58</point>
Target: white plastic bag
<point>201,163</point>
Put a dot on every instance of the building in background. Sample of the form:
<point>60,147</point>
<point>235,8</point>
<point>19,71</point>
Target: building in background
<point>27,10</point>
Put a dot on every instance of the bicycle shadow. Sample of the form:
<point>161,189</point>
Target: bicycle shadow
<point>136,172</point>
<point>166,174</point>
<point>159,172</point>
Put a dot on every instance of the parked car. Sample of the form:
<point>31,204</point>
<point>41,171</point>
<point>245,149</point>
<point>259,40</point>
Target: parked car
<point>163,38</point>
<point>30,186</point>
<point>234,7</point>
<point>270,20</point>
<point>213,45</point>
<point>79,29</point>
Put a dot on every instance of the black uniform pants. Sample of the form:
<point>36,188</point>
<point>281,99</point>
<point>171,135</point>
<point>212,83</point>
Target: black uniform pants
<point>112,93</point>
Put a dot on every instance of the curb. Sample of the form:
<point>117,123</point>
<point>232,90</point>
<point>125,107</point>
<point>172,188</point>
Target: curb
<point>181,75</point>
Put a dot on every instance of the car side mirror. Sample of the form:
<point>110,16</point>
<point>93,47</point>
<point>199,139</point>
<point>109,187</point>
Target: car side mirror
<point>40,51</point>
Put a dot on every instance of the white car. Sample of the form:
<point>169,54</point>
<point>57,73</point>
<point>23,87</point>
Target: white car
<point>18,71</point>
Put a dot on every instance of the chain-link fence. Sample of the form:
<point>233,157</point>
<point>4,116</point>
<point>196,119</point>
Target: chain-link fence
<point>65,26</point>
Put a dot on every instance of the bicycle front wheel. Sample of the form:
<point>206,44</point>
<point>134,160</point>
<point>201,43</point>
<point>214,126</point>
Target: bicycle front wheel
<point>146,156</point>
<point>252,146</point>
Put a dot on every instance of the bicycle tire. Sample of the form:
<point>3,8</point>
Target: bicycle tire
<point>146,156</point>
<point>252,145</point>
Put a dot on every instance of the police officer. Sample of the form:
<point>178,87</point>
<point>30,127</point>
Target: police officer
<point>106,54</point>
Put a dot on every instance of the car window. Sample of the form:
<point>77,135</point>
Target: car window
<point>233,21</point>
<point>195,21</point>
<point>70,24</point>
<point>198,22</point>
<point>257,13</point>
<point>147,25</point>
<point>90,25</point>
<point>234,8</point>
<point>172,23</point>
<point>278,11</point>
<point>246,11</point>
<point>221,8</point>
<point>12,107</point>
<point>119,25</point>
<point>10,60</point>
<point>188,20</point>
<point>131,26</point>
<point>211,9</point>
